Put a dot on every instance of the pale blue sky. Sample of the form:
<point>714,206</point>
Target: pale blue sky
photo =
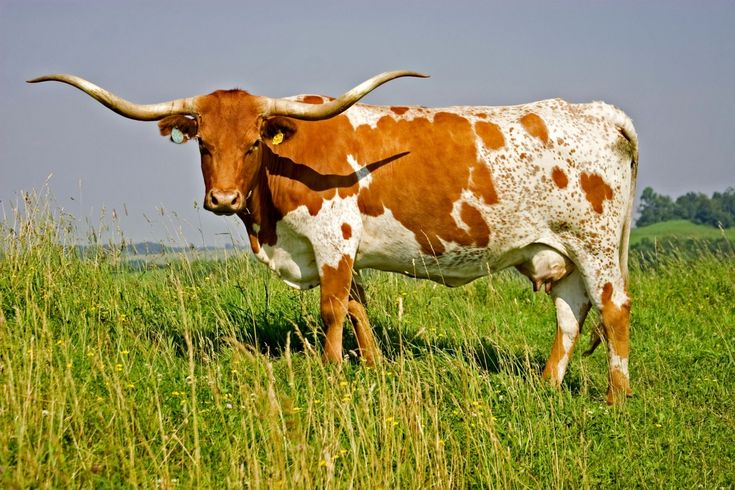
<point>669,65</point>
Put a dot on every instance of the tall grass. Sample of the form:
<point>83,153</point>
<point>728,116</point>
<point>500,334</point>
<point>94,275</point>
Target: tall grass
<point>207,374</point>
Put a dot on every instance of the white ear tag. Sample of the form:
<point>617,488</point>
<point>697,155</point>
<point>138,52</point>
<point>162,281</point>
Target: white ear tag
<point>177,136</point>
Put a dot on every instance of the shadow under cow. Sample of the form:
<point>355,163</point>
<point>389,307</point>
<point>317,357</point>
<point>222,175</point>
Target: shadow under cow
<point>273,332</point>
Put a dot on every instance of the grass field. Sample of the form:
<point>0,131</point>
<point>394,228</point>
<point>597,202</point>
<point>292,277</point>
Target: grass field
<point>207,374</point>
<point>681,230</point>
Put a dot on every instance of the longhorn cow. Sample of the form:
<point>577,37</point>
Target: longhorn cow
<point>326,187</point>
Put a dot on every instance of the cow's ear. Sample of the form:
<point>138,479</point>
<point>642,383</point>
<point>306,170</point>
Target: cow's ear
<point>179,129</point>
<point>277,130</point>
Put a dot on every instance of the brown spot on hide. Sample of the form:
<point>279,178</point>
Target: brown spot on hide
<point>444,117</point>
<point>560,178</point>
<point>325,173</point>
<point>490,134</point>
<point>481,183</point>
<point>535,126</point>
<point>419,169</point>
<point>399,109</point>
<point>595,190</point>
<point>313,99</point>
<point>479,232</point>
<point>607,291</point>
<point>346,231</point>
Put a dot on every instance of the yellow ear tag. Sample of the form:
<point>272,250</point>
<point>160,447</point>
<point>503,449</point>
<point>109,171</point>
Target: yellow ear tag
<point>278,138</point>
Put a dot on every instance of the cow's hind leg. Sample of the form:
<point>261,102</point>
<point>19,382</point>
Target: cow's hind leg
<point>607,288</point>
<point>367,346</point>
<point>615,312</point>
<point>572,305</point>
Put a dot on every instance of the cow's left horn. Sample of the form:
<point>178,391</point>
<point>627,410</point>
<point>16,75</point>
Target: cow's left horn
<point>140,112</point>
<point>315,112</point>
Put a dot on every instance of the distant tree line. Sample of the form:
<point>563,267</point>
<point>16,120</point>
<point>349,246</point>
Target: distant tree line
<point>717,211</point>
<point>649,252</point>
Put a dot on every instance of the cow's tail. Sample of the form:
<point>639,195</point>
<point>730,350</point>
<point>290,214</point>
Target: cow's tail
<point>625,126</point>
<point>628,145</point>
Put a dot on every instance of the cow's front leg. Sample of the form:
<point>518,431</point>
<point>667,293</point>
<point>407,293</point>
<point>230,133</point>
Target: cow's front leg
<point>335,291</point>
<point>366,344</point>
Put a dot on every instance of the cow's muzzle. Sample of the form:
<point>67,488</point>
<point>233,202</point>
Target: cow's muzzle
<point>224,202</point>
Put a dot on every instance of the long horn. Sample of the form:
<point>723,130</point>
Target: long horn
<point>315,112</point>
<point>140,112</point>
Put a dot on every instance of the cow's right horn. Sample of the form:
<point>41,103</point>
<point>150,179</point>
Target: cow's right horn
<point>315,112</point>
<point>140,112</point>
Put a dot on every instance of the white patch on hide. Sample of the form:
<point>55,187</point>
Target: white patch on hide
<point>618,363</point>
<point>561,367</point>
<point>324,231</point>
<point>364,177</point>
<point>457,215</point>
<point>291,258</point>
<point>386,244</point>
<point>360,115</point>
<point>619,297</point>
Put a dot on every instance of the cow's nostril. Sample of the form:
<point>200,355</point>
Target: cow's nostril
<point>213,198</point>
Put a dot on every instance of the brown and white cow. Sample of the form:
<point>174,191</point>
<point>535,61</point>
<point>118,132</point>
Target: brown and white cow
<point>326,188</point>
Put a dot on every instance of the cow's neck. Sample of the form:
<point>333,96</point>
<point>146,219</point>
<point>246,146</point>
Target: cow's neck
<point>262,215</point>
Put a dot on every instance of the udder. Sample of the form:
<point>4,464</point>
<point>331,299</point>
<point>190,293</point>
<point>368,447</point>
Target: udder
<point>544,266</point>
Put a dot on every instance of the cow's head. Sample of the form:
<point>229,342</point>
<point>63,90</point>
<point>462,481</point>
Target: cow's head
<point>230,127</point>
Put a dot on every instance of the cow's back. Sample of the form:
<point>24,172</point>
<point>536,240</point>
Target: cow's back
<point>478,183</point>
